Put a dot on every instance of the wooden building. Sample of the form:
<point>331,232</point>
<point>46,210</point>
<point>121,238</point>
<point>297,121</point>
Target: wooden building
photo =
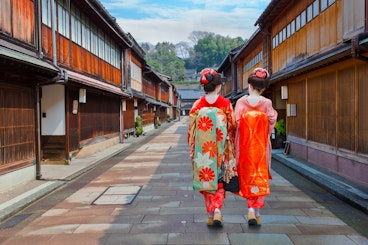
<point>67,77</point>
<point>149,94</point>
<point>316,51</point>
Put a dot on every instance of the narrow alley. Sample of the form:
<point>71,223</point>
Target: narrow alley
<point>144,195</point>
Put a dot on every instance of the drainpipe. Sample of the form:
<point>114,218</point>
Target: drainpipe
<point>39,30</point>
<point>120,122</point>
<point>53,29</point>
<point>39,85</point>
<point>356,48</point>
<point>61,78</point>
<point>38,134</point>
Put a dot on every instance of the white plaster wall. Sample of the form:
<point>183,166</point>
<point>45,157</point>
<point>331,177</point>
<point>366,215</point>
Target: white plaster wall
<point>53,105</point>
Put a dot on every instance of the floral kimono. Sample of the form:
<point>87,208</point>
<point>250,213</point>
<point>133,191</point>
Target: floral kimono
<point>209,148</point>
<point>211,130</point>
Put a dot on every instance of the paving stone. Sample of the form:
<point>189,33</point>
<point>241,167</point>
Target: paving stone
<point>136,239</point>
<point>103,228</point>
<point>114,199</point>
<point>325,229</point>
<point>359,239</point>
<point>159,227</point>
<point>322,240</point>
<point>214,238</point>
<point>279,219</point>
<point>319,220</point>
<point>56,229</point>
<point>269,239</point>
<point>272,229</point>
<point>166,210</point>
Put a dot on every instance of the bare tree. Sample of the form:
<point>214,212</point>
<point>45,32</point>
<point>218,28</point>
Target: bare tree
<point>195,36</point>
<point>183,49</point>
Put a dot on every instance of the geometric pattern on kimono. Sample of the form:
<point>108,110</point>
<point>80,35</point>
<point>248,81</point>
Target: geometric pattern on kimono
<point>253,169</point>
<point>209,144</point>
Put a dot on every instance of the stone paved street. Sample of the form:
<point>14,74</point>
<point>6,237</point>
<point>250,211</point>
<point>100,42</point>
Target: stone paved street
<point>146,197</point>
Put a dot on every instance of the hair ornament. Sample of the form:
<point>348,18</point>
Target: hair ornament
<point>261,73</point>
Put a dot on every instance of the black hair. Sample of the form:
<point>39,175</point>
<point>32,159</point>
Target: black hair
<point>210,79</point>
<point>258,82</point>
<point>213,80</point>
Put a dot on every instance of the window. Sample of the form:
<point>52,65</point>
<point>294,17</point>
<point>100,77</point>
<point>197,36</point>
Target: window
<point>280,37</point>
<point>101,45</point>
<point>303,18</point>
<point>63,19</point>
<point>76,26</point>
<point>315,8</point>
<point>292,27</point>
<point>136,72</point>
<point>297,23</point>
<point>107,50</point>
<point>256,59</point>
<point>46,12</point>
<point>330,2</point>
<point>288,30</point>
<point>94,40</point>
<point>115,55</point>
<point>86,33</point>
<point>310,13</point>
<point>324,5</point>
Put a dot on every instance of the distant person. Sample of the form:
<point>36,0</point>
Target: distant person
<point>211,130</point>
<point>256,119</point>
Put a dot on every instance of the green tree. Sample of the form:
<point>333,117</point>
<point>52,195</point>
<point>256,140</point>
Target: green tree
<point>208,50</point>
<point>164,60</point>
<point>212,49</point>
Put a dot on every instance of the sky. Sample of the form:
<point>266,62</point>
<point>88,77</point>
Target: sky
<point>172,21</point>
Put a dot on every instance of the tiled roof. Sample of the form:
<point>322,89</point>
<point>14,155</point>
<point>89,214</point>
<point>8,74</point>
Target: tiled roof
<point>190,94</point>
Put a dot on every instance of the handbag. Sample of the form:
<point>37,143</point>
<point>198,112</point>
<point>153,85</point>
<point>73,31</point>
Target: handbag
<point>233,185</point>
<point>230,170</point>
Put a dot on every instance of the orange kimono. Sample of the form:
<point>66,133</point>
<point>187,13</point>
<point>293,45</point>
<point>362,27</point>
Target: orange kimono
<point>253,149</point>
<point>253,171</point>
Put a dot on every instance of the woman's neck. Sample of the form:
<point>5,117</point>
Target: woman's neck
<point>254,97</point>
<point>255,92</point>
<point>211,97</point>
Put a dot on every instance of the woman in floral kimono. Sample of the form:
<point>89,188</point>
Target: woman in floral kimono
<point>255,118</point>
<point>211,136</point>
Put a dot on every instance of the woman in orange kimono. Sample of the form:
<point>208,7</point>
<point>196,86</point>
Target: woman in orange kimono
<point>256,119</point>
<point>211,130</point>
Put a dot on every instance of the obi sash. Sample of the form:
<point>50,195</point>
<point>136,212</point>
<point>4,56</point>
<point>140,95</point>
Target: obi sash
<point>210,137</point>
<point>253,169</point>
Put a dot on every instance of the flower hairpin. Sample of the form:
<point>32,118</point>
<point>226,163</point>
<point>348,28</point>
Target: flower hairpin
<point>261,73</point>
<point>204,79</point>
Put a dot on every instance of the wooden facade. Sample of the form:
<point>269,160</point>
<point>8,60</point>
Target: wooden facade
<point>316,50</point>
<point>17,125</point>
<point>90,50</point>
<point>66,85</point>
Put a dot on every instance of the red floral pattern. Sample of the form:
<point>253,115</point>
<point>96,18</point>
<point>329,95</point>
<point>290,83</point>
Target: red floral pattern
<point>219,135</point>
<point>205,123</point>
<point>210,147</point>
<point>206,174</point>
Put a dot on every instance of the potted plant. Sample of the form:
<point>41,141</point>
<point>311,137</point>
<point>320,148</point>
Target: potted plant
<point>138,126</point>
<point>281,131</point>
